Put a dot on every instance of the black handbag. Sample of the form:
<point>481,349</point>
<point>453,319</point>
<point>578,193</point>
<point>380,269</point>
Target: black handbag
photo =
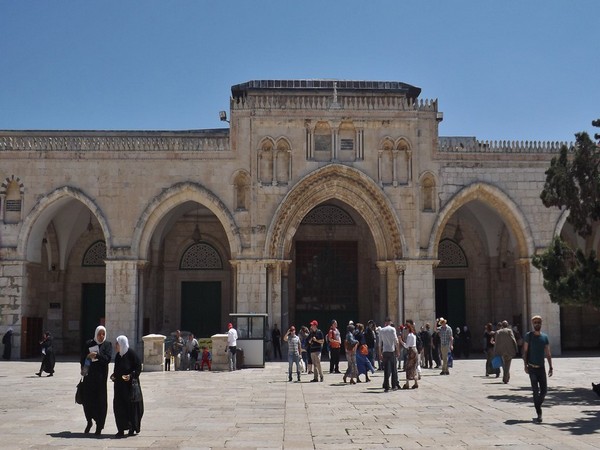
<point>79,393</point>
<point>136,391</point>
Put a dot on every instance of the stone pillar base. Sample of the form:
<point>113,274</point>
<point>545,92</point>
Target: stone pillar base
<point>154,353</point>
<point>219,355</point>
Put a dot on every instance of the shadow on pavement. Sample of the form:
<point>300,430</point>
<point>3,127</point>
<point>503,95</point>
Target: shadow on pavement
<point>589,423</point>
<point>71,435</point>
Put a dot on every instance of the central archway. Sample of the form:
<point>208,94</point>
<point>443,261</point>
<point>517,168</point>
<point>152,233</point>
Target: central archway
<point>337,182</point>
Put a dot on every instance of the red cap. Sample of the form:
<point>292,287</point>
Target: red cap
<point>315,323</point>
<point>229,325</point>
<point>292,328</point>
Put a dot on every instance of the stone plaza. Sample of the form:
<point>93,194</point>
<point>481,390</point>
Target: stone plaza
<point>259,409</point>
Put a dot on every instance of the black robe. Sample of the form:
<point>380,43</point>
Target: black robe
<point>7,341</point>
<point>48,360</point>
<point>95,398</point>
<point>128,414</point>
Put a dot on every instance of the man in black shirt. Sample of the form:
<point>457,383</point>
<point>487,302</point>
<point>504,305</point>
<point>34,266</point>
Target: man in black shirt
<point>315,342</point>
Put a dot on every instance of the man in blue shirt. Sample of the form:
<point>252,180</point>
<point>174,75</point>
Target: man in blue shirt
<point>535,348</point>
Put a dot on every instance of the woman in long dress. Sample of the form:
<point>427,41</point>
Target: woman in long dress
<point>412,357</point>
<point>95,357</point>
<point>48,359</point>
<point>128,413</point>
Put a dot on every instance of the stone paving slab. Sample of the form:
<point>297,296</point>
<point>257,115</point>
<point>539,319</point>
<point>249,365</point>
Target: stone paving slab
<point>259,409</point>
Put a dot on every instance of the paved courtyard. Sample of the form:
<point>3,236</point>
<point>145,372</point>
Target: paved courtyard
<point>259,409</point>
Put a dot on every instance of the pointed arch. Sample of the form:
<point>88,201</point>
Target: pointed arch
<point>403,144</point>
<point>501,203</point>
<point>36,222</point>
<point>175,195</point>
<point>349,185</point>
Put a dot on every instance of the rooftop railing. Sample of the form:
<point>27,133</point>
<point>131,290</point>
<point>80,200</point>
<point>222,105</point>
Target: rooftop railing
<point>472,145</point>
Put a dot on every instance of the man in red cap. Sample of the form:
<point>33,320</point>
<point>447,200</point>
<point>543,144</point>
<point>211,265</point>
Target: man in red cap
<point>315,341</point>
<point>232,337</point>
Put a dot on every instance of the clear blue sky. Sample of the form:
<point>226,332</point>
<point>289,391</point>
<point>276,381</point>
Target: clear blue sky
<point>510,69</point>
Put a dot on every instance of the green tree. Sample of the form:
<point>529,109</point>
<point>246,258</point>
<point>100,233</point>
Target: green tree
<point>573,183</point>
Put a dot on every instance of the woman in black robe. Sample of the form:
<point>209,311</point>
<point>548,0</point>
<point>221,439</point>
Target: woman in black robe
<point>95,357</point>
<point>128,413</point>
<point>7,341</point>
<point>48,359</point>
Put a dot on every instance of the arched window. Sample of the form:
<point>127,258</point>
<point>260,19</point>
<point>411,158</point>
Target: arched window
<point>201,256</point>
<point>386,163</point>
<point>347,135</point>
<point>428,193</point>
<point>95,255</point>
<point>242,191</point>
<point>451,254</point>
<point>322,141</point>
<point>282,158</point>
<point>403,162</point>
<point>265,162</point>
<point>13,202</point>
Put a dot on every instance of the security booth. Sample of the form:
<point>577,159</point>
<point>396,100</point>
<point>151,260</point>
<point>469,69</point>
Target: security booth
<point>252,337</point>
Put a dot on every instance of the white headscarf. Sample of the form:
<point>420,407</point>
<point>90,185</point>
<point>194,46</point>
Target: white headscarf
<point>98,329</point>
<point>123,344</point>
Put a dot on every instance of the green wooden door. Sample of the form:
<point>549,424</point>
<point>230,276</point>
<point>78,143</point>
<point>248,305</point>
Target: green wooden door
<point>450,301</point>
<point>201,307</point>
<point>93,305</point>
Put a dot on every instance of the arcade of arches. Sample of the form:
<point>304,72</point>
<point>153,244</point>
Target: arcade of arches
<point>324,200</point>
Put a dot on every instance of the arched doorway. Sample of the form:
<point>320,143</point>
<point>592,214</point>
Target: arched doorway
<point>64,242</point>
<point>333,271</point>
<point>306,222</point>
<point>482,241</point>
<point>185,238</point>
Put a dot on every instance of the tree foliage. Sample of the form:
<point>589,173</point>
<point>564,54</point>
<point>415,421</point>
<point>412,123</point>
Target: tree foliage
<point>573,183</point>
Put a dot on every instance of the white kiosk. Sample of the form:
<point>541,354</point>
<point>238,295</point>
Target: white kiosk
<point>252,337</point>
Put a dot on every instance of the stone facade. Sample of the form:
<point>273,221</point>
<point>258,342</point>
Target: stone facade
<point>326,199</point>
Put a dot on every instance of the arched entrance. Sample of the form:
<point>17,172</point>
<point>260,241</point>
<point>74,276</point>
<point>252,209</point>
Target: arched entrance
<point>482,244</point>
<point>64,243</point>
<point>335,227</point>
<point>185,236</point>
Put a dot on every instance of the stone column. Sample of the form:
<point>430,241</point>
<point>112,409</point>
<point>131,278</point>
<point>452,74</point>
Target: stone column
<point>395,168</point>
<point>285,305</point>
<point>275,270</point>
<point>393,292</point>
<point>383,297</point>
<point>419,290</point>
<point>122,299</point>
<point>13,288</point>
<point>251,286</point>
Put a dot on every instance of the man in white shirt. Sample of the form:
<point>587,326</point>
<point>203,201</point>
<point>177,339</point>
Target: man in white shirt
<point>388,352</point>
<point>232,337</point>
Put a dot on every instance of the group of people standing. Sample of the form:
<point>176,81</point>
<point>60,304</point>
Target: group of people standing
<point>186,354</point>
<point>128,404</point>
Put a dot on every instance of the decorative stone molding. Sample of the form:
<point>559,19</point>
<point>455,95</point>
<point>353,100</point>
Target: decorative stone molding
<point>89,143</point>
